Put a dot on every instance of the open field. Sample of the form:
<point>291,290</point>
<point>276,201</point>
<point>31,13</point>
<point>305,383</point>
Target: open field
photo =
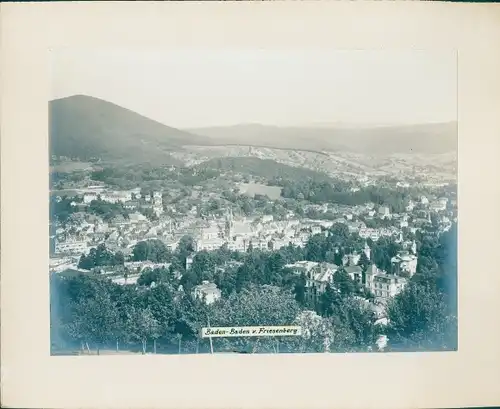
<point>71,166</point>
<point>64,192</point>
<point>251,189</point>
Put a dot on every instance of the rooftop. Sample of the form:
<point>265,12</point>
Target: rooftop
<point>206,286</point>
<point>353,269</point>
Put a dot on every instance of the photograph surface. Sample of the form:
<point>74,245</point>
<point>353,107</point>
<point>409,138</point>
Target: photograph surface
<point>252,201</point>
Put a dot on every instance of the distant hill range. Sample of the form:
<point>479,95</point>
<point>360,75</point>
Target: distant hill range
<point>422,139</point>
<point>87,127</point>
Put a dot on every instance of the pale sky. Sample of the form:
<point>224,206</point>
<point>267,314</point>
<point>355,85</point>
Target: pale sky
<point>195,88</point>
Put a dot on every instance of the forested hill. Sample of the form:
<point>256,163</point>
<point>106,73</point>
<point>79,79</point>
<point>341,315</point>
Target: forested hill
<point>85,127</point>
<point>265,168</point>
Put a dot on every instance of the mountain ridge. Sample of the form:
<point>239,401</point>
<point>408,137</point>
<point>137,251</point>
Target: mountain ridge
<point>383,139</point>
<point>84,127</point>
<point>87,127</point>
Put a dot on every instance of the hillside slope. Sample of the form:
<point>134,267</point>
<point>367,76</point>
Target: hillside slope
<point>86,127</point>
<point>265,168</point>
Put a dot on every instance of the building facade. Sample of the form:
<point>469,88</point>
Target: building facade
<point>207,291</point>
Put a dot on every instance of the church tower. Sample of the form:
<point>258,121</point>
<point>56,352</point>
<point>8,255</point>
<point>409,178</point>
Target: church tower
<point>229,224</point>
<point>157,203</point>
<point>400,238</point>
<point>367,251</point>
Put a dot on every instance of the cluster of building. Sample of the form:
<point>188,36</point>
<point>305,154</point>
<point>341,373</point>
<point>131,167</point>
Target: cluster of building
<point>383,285</point>
<point>130,199</point>
<point>85,231</point>
<point>259,233</point>
<point>238,234</point>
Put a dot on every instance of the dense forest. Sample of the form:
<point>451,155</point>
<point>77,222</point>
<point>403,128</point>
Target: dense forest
<point>126,177</point>
<point>340,192</point>
<point>85,127</point>
<point>61,209</point>
<point>264,168</point>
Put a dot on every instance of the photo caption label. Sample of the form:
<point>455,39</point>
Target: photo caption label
<point>262,331</point>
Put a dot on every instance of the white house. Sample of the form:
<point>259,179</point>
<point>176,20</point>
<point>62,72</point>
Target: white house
<point>384,286</point>
<point>211,232</point>
<point>89,197</point>
<point>116,197</point>
<point>318,275</point>
<point>71,246</point>
<point>315,230</point>
<point>410,206</point>
<point>351,259</point>
<point>129,280</point>
<point>61,263</point>
<point>384,211</point>
<point>268,218</point>
<point>405,262</point>
<point>207,291</point>
<point>355,272</point>
<point>208,244</point>
<point>137,217</point>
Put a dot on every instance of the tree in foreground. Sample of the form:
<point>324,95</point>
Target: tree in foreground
<point>94,320</point>
<point>143,326</point>
<point>419,320</point>
<point>357,315</point>
<point>322,334</point>
<point>255,306</point>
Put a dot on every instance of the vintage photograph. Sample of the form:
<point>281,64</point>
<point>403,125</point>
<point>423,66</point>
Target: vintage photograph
<point>252,201</point>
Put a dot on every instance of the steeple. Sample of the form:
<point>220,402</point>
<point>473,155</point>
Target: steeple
<point>367,251</point>
<point>229,216</point>
<point>400,237</point>
<point>157,203</point>
<point>229,223</point>
<point>414,247</point>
